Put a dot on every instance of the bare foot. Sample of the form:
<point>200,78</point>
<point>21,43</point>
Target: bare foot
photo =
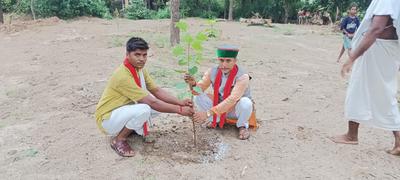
<point>344,139</point>
<point>395,151</point>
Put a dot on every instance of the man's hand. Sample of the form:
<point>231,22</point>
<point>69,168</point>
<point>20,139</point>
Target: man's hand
<point>200,117</point>
<point>186,102</point>
<point>346,68</point>
<point>189,79</point>
<point>186,111</point>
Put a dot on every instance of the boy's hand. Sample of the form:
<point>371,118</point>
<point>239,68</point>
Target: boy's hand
<point>189,79</point>
<point>350,35</point>
<point>186,111</point>
<point>186,102</point>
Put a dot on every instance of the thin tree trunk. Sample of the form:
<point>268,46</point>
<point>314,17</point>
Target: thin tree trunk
<point>286,8</point>
<point>174,31</point>
<point>230,16</point>
<point>1,14</point>
<point>226,4</point>
<point>126,3</point>
<point>33,9</point>
<point>148,4</point>
<point>337,13</point>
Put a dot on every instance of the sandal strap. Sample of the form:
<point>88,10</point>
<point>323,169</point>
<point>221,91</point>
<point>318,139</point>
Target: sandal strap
<point>122,147</point>
<point>244,133</point>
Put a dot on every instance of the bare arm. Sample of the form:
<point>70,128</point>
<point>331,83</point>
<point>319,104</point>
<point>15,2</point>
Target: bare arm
<point>237,92</point>
<point>376,29</point>
<point>162,106</point>
<point>166,97</point>
<point>205,82</point>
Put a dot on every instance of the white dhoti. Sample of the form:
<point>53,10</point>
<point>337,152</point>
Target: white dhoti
<point>371,95</point>
<point>130,116</point>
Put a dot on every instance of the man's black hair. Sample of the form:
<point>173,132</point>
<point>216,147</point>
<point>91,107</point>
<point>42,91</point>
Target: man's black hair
<point>136,43</point>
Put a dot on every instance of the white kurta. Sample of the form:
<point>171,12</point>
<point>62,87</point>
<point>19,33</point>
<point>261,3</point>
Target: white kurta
<point>371,95</point>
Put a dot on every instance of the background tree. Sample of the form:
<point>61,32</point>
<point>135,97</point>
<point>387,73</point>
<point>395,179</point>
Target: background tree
<point>230,16</point>
<point>1,13</point>
<point>33,9</point>
<point>280,11</point>
<point>174,31</point>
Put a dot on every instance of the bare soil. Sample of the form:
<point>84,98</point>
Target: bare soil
<point>53,72</point>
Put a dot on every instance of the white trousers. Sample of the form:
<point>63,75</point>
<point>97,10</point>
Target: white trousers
<point>130,116</point>
<point>241,112</point>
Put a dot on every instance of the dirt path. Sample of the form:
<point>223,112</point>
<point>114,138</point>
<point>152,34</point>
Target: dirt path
<point>52,76</point>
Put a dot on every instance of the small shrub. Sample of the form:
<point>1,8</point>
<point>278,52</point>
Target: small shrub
<point>163,13</point>
<point>137,10</point>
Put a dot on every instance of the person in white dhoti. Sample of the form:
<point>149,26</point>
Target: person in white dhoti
<point>374,64</point>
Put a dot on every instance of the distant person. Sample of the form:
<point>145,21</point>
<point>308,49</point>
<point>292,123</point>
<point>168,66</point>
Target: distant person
<point>301,15</point>
<point>349,26</point>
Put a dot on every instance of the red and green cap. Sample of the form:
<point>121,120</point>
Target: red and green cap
<point>227,51</point>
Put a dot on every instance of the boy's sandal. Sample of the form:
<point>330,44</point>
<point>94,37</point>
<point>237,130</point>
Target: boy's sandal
<point>122,148</point>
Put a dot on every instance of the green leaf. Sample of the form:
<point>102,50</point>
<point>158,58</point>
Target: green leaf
<point>178,50</point>
<point>187,38</point>
<point>181,85</point>
<point>181,25</point>
<point>197,89</point>
<point>201,36</point>
<point>198,58</point>
<point>193,70</point>
<point>31,152</point>
<point>180,71</point>
<point>182,62</point>
<point>196,45</point>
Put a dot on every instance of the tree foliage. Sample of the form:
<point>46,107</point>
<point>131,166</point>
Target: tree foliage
<point>277,10</point>
<point>61,8</point>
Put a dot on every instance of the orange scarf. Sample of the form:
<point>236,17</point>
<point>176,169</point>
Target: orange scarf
<point>227,92</point>
<point>137,80</point>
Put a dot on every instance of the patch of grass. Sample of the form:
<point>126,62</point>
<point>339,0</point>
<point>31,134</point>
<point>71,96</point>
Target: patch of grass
<point>287,31</point>
<point>117,41</point>
<point>161,41</point>
<point>163,76</point>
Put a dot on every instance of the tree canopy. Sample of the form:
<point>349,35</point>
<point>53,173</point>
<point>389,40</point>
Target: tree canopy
<point>278,10</point>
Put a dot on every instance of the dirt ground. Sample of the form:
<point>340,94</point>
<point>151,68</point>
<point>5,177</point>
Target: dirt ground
<point>52,74</point>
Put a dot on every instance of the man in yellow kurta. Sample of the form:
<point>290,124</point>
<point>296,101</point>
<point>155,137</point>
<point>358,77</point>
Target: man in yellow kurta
<point>130,97</point>
<point>231,98</point>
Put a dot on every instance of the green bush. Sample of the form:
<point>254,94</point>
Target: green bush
<point>137,10</point>
<point>163,13</point>
<point>8,5</point>
<point>73,8</point>
<point>204,8</point>
<point>64,8</point>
